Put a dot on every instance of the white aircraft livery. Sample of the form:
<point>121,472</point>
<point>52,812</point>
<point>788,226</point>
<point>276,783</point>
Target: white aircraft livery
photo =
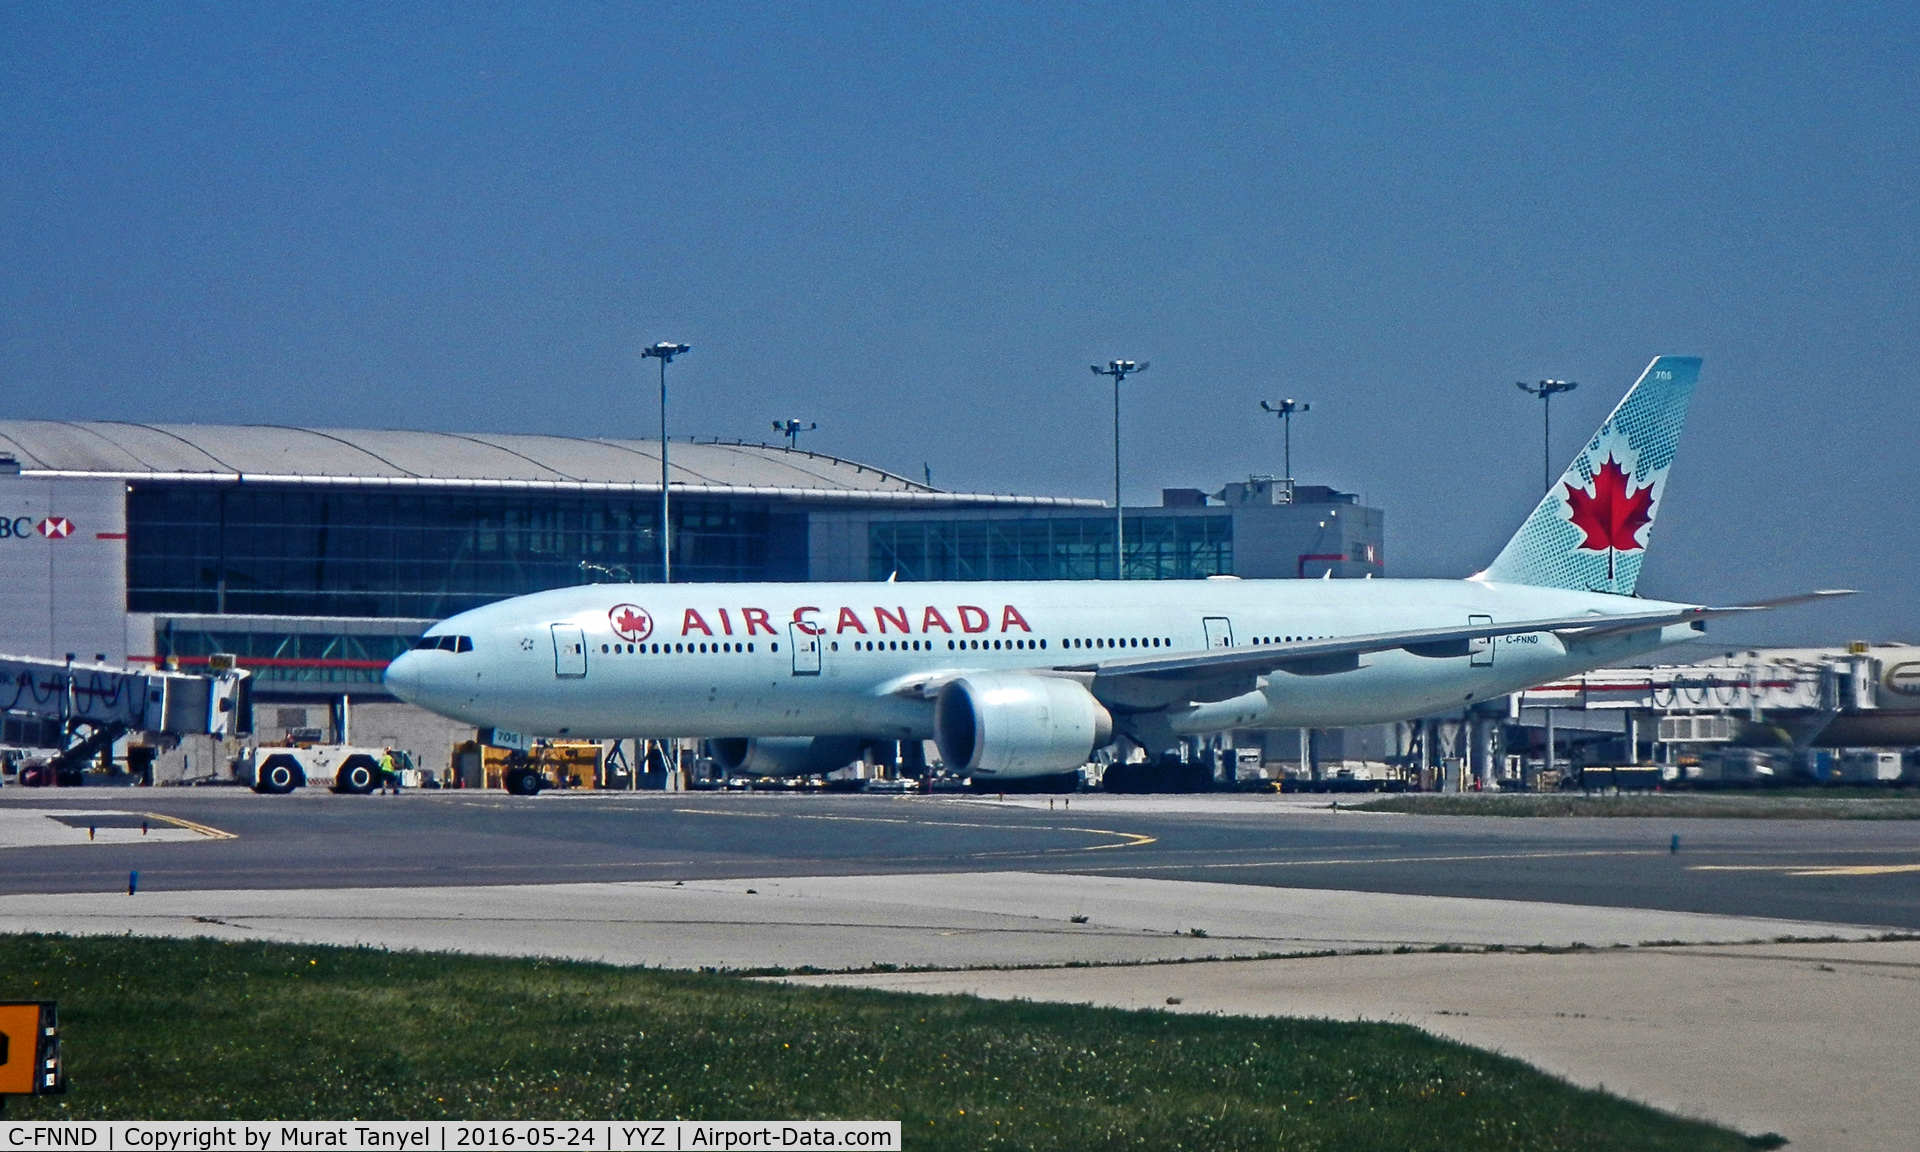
<point>1014,679</point>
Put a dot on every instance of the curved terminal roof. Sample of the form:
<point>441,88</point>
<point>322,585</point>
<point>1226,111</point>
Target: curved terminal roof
<point>360,457</point>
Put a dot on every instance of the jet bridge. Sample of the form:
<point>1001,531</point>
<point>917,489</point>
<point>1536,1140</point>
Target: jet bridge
<point>89,706</point>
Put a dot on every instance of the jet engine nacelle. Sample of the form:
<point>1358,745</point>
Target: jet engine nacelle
<point>1009,724</point>
<point>784,755</point>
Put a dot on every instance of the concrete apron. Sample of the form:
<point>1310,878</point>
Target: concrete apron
<point>1813,1041</point>
<point>946,920</point>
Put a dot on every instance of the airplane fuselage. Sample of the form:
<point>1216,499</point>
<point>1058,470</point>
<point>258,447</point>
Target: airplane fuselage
<point>747,660</point>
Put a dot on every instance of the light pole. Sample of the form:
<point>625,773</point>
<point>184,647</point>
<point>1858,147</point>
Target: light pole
<point>791,429</point>
<point>664,352</point>
<point>1545,390</point>
<point>1285,410</point>
<point>1119,370</point>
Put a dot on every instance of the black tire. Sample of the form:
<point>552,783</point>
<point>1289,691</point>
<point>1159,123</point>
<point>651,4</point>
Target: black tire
<point>280,775</point>
<point>359,775</point>
<point>524,782</point>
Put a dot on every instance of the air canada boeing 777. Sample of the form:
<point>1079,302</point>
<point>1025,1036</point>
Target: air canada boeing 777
<point>1015,679</point>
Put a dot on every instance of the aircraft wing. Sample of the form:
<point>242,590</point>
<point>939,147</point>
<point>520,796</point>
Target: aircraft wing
<point>1219,673</point>
<point>1209,673</point>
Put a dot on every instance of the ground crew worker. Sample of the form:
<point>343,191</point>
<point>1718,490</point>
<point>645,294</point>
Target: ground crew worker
<point>389,774</point>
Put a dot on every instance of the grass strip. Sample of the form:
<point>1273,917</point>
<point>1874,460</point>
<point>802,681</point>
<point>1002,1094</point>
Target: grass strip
<point>1670,805</point>
<point>202,1029</point>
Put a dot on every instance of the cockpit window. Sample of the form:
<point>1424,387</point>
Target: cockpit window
<point>444,643</point>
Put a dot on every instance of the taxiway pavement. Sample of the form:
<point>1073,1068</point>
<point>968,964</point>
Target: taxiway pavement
<point>1846,871</point>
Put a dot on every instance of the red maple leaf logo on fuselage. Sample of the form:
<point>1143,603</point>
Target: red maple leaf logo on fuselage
<point>1611,512</point>
<point>630,621</point>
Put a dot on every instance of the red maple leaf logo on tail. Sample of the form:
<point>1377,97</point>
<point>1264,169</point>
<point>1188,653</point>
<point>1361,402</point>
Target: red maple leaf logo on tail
<point>1612,512</point>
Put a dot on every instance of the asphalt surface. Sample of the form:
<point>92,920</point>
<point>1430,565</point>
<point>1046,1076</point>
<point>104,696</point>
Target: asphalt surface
<point>1840,871</point>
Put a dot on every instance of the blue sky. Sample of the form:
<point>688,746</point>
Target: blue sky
<point>918,225</point>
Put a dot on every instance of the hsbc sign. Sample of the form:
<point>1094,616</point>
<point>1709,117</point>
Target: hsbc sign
<point>21,527</point>
<point>62,568</point>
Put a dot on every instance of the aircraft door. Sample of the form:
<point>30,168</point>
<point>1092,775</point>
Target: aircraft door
<point>1219,631</point>
<point>569,652</point>
<point>1480,649</point>
<point>806,651</point>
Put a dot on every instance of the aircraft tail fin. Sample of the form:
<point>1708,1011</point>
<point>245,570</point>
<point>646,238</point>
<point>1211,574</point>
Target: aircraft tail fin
<point>1590,530</point>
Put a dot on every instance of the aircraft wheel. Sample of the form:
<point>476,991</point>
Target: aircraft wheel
<point>524,782</point>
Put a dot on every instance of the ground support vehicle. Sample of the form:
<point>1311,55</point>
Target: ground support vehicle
<point>341,767</point>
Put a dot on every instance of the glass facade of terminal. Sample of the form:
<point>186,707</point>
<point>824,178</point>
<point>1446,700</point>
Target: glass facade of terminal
<point>295,551</point>
<point>1049,548</point>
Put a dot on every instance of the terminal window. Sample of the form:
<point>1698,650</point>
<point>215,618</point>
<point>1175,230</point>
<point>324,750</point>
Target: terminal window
<point>292,551</point>
<point>1049,548</point>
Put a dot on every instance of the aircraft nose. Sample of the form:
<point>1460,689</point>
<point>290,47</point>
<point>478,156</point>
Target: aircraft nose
<point>404,677</point>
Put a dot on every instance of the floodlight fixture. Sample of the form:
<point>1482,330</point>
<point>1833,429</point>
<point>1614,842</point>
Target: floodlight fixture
<point>1119,370</point>
<point>1285,410</point>
<point>664,352</point>
<point>791,429</point>
<point>1546,390</point>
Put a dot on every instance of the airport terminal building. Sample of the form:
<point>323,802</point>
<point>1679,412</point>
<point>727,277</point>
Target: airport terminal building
<point>316,555</point>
